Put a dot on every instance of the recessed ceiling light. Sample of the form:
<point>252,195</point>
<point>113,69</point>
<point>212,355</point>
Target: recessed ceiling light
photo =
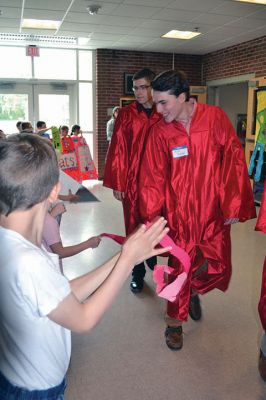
<point>83,41</point>
<point>40,24</point>
<point>174,34</point>
<point>253,1</point>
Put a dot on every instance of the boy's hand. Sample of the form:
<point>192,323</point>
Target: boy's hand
<point>58,209</point>
<point>94,241</point>
<point>140,245</point>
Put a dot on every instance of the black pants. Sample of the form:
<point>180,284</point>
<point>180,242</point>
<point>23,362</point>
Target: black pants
<point>139,270</point>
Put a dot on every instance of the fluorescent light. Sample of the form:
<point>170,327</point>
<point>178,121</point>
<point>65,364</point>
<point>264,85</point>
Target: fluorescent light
<point>180,34</point>
<point>253,1</point>
<point>40,24</point>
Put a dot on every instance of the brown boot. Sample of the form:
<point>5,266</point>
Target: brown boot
<point>262,366</point>
<point>174,337</point>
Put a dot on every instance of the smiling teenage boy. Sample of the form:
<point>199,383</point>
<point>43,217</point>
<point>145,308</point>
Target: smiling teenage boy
<point>125,153</point>
<point>194,173</point>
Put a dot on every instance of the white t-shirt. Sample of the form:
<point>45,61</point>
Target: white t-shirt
<point>34,351</point>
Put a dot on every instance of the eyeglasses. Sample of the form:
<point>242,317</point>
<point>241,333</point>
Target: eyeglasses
<point>140,88</point>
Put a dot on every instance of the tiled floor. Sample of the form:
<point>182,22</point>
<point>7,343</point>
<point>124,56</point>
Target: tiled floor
<point>125,356</point>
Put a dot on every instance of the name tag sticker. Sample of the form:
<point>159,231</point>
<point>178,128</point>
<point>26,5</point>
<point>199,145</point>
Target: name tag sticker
<point>181,151</point>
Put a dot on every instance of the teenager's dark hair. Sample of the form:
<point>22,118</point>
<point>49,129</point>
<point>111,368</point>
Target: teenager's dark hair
<point>144,73</point>
<point>40,124</point>
<point>28,171</point>
<point>173,81</point>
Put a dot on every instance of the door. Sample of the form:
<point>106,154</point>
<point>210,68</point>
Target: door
<point>53,103</point>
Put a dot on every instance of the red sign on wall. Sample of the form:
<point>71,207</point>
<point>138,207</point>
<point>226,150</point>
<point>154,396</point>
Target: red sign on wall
<point>32,51</point>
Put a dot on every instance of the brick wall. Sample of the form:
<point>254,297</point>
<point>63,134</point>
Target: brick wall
<point>110,68</point>
<point>245,58</point>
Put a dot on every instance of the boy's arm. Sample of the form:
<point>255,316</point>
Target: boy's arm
<point>69,251</point>
<point>83,286</point>
<point>82,317</point>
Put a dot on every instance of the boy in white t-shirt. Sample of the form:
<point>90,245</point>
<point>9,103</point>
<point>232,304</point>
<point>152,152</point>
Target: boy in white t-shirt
<point>38,305</point>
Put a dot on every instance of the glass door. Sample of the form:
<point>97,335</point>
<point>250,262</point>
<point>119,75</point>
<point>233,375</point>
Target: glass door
<point>54,103</point>
<point>16,104</point>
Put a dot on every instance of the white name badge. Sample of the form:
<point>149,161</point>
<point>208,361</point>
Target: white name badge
<point>181,151</point>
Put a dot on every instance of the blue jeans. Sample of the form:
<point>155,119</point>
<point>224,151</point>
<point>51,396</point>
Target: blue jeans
<point>11,392</point>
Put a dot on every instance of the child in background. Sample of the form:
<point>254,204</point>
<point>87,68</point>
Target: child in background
<point>52,241</point>
<point>38,306</point>
<point>64,131</point>
<point>75,130</point>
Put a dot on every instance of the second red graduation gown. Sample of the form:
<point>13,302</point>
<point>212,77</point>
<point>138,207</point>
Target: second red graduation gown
<point>124,157</point>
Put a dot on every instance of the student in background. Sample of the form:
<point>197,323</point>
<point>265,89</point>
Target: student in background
<point>41,129</point>
<point>18,125</point>
<point>2,134</point>
<point>75,130</point>
<point>64,131</point>
<point>110,124</point>
<point>26,127</point>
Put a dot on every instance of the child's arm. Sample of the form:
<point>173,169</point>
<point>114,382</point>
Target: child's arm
<point>69,251</point>
<point>81,317</point>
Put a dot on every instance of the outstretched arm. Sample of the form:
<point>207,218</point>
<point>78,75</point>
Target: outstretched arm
<point>81,317</point>
<point>69,251</point>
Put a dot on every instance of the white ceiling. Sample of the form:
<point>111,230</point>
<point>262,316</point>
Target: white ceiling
<point>138,24</point>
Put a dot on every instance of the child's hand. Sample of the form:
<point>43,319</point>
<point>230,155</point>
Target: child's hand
<point>140,245</point>
<point>94,241</point>
<point>72,198</point>
<point>58,209</point>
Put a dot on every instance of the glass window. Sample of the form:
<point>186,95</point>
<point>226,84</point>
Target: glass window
<point>85,106</point>
<point>55,64</point>
<point>13,108</point>
<point>85,65</point>
<point>14,63</point>
<point>54,109</point>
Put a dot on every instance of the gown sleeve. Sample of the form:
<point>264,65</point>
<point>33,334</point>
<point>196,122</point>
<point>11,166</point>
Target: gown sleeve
<point>116,168</point>
<point>153,175</point>
<point>236,196</point>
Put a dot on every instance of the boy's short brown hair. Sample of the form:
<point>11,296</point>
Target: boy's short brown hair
<point>28,171</point>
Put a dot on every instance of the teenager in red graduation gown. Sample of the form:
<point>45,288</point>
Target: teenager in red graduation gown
<point>261,226</point>
<point>124,158</point>
<point>194,173</point>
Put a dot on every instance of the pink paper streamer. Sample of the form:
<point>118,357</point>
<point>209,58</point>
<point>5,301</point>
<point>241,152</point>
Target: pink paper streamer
<point>169,291</point>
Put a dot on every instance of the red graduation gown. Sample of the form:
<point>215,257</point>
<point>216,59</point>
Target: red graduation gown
<point>124,157</point>
<point>196,180</point>
<point>261,226</point>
